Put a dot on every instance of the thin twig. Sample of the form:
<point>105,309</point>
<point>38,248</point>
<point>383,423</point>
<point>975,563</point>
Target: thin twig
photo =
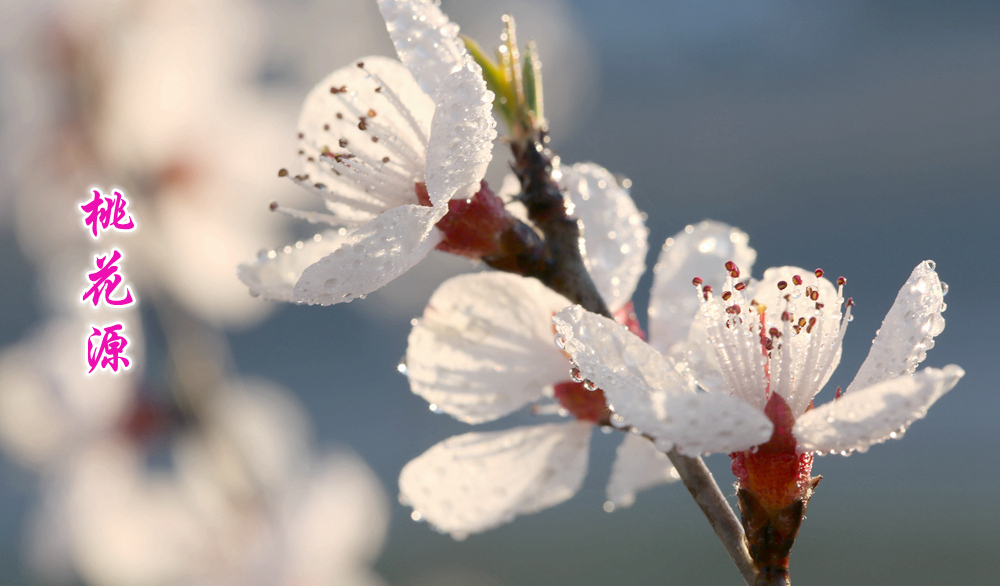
<point>700,482</point>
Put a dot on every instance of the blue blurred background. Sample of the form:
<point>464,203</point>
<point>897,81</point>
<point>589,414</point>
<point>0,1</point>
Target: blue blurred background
<point>860,137</point>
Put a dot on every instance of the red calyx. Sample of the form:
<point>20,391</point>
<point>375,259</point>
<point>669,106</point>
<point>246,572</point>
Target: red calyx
<point>583,404</point>
<point>774,489</point>
<point>472,227</point>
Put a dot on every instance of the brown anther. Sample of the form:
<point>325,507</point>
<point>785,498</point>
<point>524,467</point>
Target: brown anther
<point>782,285</point>
<point>282,172</point>
<point>736,309</point>
<point>740,286</point>
<point>378,90</point>
<point>840,393</point>
<point>310,159</point>
<point>374,139</point>
<point>818,273</point>
<point>301,135</point>
<point>338,90</point>
<point>707,289</point>
<point>814,296</point>
<point>850,302</point>
<point>696,281</point>
<point>320,186</point>
<point>361,64</point>
<point>774,332</point>
<point>735,273</point>
<point>326,127</point>
<point>819,305</point>
<point>809,291</point>
<point>340,116</point>
<point>371,113</point>
<point>726,295</point>
<point>768,344</point>
<point>385,159</point>
<point>841,281</point>
<point>797,280</point>
<point>785,316</point>
<point>301,152</point>
<point>730,265</point>
<point>342,142</point>
<point>362,125</point>
<point>812,323</point>
<point>802,322</point>
<point>273,206</point>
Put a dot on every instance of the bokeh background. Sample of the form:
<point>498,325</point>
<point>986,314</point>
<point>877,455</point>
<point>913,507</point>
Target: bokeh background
<point>858,136</point>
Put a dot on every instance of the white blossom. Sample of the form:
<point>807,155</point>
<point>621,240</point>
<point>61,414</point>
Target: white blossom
<point>484,349</point>
<point>369,134</point>
<point>779,335</point>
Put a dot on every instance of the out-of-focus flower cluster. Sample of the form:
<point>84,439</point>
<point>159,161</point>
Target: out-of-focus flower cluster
<point>176,470</point>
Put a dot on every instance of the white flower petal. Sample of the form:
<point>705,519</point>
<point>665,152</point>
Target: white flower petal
<point>649,393</point>
<point>484,347</point>
<point>343,493</point>
<point>274,274</point>
<point>372,256</point>
<point>477,481</point>
<point>698,251</point>
<point>462,133</point>
<point>907,331</point>
<point>874,414</point>
<point>638,466</point>
<point>614,358</point>
<point>426,41</point>
<point>387,150</point>
<point>613,239</point>
<point>807,359</point>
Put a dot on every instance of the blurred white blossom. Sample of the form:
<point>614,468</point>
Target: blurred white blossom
<point>245,503</point>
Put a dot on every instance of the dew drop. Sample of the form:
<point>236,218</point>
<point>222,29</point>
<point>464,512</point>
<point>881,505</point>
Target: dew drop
<point>609,506</point>
<point>589,385</point>
<point>560,342</point>
<point>576,375</point>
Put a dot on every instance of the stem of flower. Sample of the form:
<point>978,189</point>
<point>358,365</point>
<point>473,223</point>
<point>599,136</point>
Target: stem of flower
<point>700,482</point>
<point>566,273</point>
